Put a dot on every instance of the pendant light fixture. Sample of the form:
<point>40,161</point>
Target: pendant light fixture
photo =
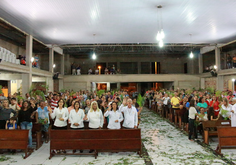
<point>160,33</point>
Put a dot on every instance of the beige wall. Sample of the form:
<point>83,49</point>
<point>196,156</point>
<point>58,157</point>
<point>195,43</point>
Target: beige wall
<point>13,48</point>
<point>83,81</point>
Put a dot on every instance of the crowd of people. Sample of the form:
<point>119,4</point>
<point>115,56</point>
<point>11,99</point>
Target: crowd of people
<point>111,110</point>
<point>76,70</point>
<point>195,106</point>
<point>69,110</point>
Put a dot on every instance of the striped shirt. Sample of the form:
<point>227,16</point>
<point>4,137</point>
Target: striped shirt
<point>53,104</point>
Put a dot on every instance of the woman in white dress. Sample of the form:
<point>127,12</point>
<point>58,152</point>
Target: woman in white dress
<point>115,117</point>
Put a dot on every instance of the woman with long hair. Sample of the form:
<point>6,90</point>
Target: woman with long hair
<point>77,117</point>
<point>115,117</point>
<point>61,114</point>
<point>95,116</point>
<point>215,105</point>
<point>225,110</point>
<point>192,116</point>
<point>25,116</point>
<point>211,114</point>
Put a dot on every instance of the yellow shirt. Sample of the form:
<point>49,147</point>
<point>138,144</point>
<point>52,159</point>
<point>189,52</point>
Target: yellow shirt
<point>174,101</point>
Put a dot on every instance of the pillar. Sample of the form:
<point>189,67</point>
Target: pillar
<point>27,77</point>
<point>190,66</point>
<point>220,83</point>
<point>62,65</point>
<point>26,83</point>
<point>139,67</point>
<point>108,86</point>
<point>91,86</point>
<point>139,87</point>
<point>49,82</point>
<point>176,84</point>
<point>61,84</point>
<point>200,63</point>
<point>51,59</point>
<point>202,83</point>
<point>217,59</point>
<point>118,86</point>
<point>29,50</point>
<point>9,86</point>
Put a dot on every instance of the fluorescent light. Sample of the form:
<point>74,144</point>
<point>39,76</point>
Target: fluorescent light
<point>32,59</point>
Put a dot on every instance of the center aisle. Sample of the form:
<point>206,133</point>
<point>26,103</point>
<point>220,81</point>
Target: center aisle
<point>167,145</point>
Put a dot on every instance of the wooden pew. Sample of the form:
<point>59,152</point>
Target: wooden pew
<point>99,140</point>
<point>227,138</point>
<point>15,140</point>
<point>213,124</point>
<point>37,134</point>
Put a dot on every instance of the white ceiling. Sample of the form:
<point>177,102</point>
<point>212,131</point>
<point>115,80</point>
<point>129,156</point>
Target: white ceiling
<point>122,21</point>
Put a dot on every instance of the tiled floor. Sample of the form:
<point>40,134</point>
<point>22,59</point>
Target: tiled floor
<point>164,143</point>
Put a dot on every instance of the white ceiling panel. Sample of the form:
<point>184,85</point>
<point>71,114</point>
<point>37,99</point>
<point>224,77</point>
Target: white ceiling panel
<point>122,21</point>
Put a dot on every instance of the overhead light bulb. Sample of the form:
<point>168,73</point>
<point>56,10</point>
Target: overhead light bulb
<point>191,55</point>
<point>32,59</point>
<point>215,67</point>
<point>158,38</point>
<point>54,65</point>
<point>233,79</point>
<point>94,56</point>
<point>161,44</point>
<point>162,34</point>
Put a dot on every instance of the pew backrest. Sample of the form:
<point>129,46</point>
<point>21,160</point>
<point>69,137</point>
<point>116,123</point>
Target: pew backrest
<point>227,136</point>
<point>14,139</point>
<point>122,139</point>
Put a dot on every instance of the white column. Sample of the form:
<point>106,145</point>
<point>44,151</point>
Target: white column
<point>200,63</point>
<point>27,77</point>
<point>176,84</point>
<point>91,86</point>
<point>202,83</point>
<point>29,50</point>
<point>9,86</point>
<point>61,84</point>
<point>118,86</point>
<point>139,67</point>
<point>217,59</point>
<point>49,82</point>
<point>191,66</point>
<point>51,59</point>
<point>220,83</point>
<point>108,86</point>
<point>62,64</point>
<point>26,83</point>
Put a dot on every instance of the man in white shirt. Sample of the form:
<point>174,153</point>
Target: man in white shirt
<point>165,104</point>
<point>130,114</point>
<point>14,106</point>
<point>234,105</point>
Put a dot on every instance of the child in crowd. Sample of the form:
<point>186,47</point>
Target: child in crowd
<point>11,124</point>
